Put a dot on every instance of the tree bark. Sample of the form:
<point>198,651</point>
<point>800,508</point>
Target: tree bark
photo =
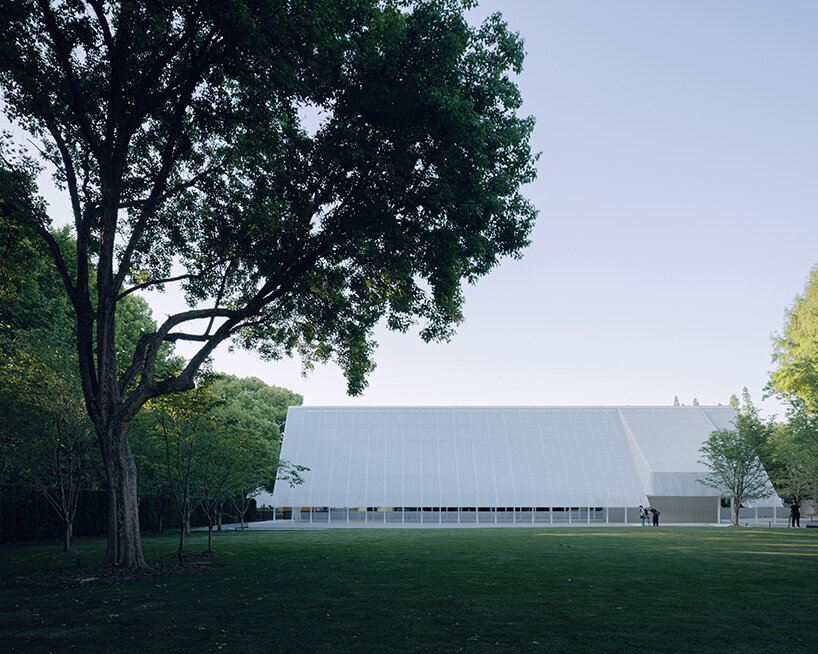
<point>68,534</point>
<point>124,543</point>
<point>182,532</point>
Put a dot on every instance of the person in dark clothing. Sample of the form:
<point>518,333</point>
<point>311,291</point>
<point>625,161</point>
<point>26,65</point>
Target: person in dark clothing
<point>795,514</point>
<point>655,517</point>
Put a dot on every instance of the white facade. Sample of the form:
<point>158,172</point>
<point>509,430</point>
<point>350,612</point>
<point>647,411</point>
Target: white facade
<point>495,456</point>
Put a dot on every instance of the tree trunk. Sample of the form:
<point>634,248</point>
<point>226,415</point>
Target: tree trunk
<point>187,524</point>
<point>735,506</point>
<point>67,542</point>
<point>181,533</point>
<point>124,543</point>
<point>219,518</point>
<point>209,536</point>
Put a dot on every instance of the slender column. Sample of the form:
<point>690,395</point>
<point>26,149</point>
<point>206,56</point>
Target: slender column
<point>774,512</point>
<point>626,515</point>
<point>756,515</point>
<point>274,514</point>
<point>458,515</point>
<point>589,515</point>
<point>606,515</point>
<point>310,515</point>
<point>403,515</point>
<point>570,515</point>
<point>495,515</point>
<point>551,514</point>
<point>347,515</point>
<point>477,515</point>
<point>329,515</point>
<point>440,515</point>
<point>366,514</point>
<point>533,511</point>
<point>384,515</point>
<point>514,515</point>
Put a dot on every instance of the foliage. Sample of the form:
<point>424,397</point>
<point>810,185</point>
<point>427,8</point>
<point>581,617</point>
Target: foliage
<point>174,429</point>
<point>176,129</point>
<point>49,442</point>
<point>46,438</point>
<point>731,455</point>
<point>250,405</point>
<point>218,443</point>
<point>796,350</point>
<point>795,380</point>
<point>796,449</point>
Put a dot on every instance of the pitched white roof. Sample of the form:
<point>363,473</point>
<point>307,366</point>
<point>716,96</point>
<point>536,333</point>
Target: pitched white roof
<point>495,456</point>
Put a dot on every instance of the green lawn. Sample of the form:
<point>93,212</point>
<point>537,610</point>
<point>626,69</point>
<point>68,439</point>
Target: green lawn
<point>573,589</point>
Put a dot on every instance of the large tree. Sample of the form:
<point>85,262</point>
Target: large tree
<point>795,353</point>
<point>177,128</point>
<point>795,445</point>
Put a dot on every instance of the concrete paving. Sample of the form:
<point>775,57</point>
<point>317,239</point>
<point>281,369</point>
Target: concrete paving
<point>305,525</point>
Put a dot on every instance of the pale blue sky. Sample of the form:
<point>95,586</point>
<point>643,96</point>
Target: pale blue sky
<point>678,206</point>
<point>677,214</point>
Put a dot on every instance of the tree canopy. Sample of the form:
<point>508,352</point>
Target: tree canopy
<point>179,131</point>
<point>795,352</point>
<point>732,456</point>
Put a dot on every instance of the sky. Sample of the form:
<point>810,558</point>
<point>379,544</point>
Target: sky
<point>677,217</point>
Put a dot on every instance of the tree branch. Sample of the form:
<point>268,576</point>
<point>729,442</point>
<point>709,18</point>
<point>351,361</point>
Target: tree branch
<point>107,37</point>
<point>154,282</point>
<point>63,52</point>
<point>167,159</point>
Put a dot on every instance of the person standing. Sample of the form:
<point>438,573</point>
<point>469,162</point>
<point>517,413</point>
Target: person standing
<point>795,514</point>
<point>655,517</point>
<point>643,513</point>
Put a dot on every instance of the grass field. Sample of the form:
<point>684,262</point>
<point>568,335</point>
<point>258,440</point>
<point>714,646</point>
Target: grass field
<point>672,589</point>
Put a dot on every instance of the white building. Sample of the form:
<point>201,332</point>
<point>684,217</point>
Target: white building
<point>499,464</point>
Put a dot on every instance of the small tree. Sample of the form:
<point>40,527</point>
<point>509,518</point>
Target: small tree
<point>735,468</point>
<point>52,447</point>
<point>176,423</point>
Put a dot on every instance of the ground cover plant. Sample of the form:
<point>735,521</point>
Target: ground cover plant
<point>432,590</point>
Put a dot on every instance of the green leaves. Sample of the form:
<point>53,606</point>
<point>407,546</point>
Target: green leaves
<point>796,349</point>
<point>303,169</point>
<point>732,457</point>
<point>181,127</point>
<point>218,442</point>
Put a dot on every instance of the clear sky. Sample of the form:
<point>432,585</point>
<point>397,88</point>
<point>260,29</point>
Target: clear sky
<point>678,199</point>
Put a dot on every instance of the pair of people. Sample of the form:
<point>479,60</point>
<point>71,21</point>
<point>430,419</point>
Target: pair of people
<point>648,514</point>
